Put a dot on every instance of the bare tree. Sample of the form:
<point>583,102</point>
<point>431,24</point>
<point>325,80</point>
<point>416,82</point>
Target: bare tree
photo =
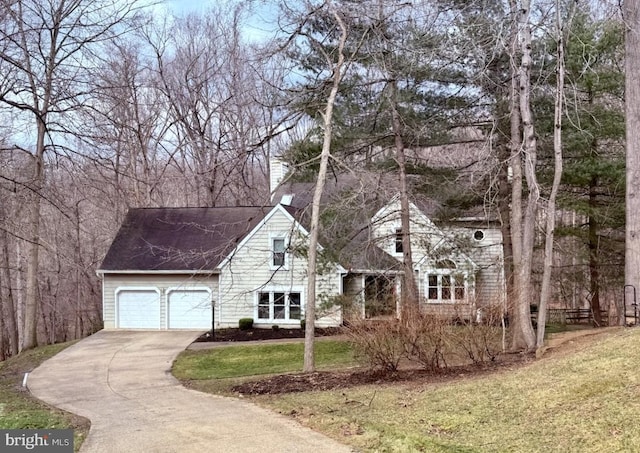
<point>43,47</point>
<point>337,64</point>
<point>545,291</point>
<point>127,131</point>
<point>524,155</point>
<point>216,90</point>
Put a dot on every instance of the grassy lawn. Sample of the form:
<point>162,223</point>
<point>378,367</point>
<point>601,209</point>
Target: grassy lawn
<point>585,401</point>
<point>19,410</point>
<point>238,361</point>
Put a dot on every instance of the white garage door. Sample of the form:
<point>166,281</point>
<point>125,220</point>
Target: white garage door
<point>138,309</point>
<point>189,309</point>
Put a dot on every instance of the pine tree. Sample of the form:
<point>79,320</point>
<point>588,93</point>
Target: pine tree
<point>593,133</point>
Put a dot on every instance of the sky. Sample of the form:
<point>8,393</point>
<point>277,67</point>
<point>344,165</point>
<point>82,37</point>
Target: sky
<point>260,23</point>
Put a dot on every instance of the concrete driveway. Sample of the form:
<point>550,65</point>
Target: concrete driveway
<point>121,381</point>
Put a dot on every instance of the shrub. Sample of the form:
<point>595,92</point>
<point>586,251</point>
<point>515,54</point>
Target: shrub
<point>303,324</point>
<point>378,345</point>
<point>245,323</point>
<point>480,342</point>
<point>425,338</point>
<point>275,327</point>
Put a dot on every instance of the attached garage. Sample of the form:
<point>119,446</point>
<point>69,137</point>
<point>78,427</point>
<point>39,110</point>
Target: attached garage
<point>189,309</point>
<point>138,308</point>
<point>159,301</point>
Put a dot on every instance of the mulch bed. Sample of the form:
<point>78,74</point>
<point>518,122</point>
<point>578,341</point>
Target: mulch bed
<point>263,334</point>
<point>331,380</point>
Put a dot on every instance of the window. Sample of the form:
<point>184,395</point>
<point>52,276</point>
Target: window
<point>478,235</point>
<point>279,306</point>
<point>458,287</point>
<point>445,264</point>
<point>446,287</point>
<point>432,288</point>
<point>295,306</point>
<point>399,248</point>
<point>264,306</point>
<point>278,252</point>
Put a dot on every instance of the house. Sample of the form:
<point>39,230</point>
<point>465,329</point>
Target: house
<point>194,268</point>
<point>458,264</point>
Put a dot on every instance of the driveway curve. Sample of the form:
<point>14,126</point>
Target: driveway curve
<point>121,381</point>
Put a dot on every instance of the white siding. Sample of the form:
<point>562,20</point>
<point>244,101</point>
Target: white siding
<point>163,282</point>
<point>249,270</point>
<point>425,235</point>
<point>487,255</point>
<point>432,243</point>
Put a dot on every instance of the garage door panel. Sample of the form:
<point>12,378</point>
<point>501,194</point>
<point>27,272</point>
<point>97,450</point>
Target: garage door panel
<point>189,309</point>
<point>138,309</point>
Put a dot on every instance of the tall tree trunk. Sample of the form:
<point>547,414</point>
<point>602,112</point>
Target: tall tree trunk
<point>409,296</point>
<point>504,199</point>
<point>504,153</point>
<point>523,336</point>
<point>632,111</point>
<point>10,314</point>
<point>594,265</point>
<point>3,346</point>
<point>545,291</point>
<point>592,239</point>
<point>77,320</point>
<point>327,117</point>
<point>30,337</point>
<point>529,149</point>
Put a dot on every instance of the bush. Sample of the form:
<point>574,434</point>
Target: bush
<point>303,324</point>
<point>378,345</point>
<point>480,342</point>
<point>425,338</point>
<point>245,323</point>
<point>275,327</point>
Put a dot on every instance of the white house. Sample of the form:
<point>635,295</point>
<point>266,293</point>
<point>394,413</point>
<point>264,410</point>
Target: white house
<point>198,268</point>
<point>194,268</point>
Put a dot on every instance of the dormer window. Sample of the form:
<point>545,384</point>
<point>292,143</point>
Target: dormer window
<point>398,241</point>
<point>278,248</point>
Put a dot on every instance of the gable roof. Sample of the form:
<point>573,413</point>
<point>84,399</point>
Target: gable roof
<point>179,239</point>
<point>288,211</point>
<point>359,200</point>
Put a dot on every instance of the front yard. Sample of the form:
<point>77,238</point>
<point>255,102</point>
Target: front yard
<point>582,397</point>
<point>19,410</point>
<point>217,370</point>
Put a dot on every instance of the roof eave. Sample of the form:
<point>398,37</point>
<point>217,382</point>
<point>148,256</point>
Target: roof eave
<point>152,271</point>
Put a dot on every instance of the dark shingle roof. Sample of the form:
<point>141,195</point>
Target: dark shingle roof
<point>179,239</point>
